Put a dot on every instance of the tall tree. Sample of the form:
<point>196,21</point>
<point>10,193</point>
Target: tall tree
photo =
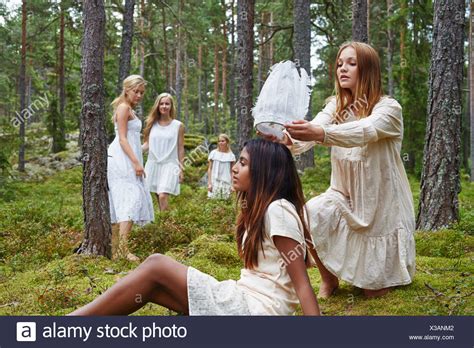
<point>440,181</point>
<point>245,43</point>
<point>471,83</point>
<point>302,49</point>
<point>359,21</point>
<point>126,44</point>
<point>97,230</point>
<point>59,129</point>
<point>390,45</point>
<point>22,85</point>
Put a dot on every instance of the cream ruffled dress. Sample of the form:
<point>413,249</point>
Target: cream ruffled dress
<point>363,225</point>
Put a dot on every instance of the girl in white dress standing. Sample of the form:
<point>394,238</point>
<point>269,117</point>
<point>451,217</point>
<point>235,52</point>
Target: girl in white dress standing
<point>219,172</point>
<point>272,239</point>
<point>164,140</point>
<point>363,225</point>
<point>130,202</point>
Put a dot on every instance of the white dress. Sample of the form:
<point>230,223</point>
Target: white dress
<point>162,166</point>
<point>363,225</point>
<point>129,200</point>
<point>221,179</point>
<point>265,290</point>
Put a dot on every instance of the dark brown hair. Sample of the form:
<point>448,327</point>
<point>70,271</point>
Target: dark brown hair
<point>273,176</point>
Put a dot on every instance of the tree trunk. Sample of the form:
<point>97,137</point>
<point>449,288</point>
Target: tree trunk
<point>224,69</point>
<point>390,43</point>
<point>265,50</point>
<point>440,181</point>
<point>216,89</point>
<point>471,84</point>
<point>359,21</point>
<point>21,152</point>
<point>185,88</point>
<point>302,49</point>
<point>126,45</point>
<point>59,138</point>
<point>178,63</point>
<point>141,48</point>
<point>165,48</point>
<point>245,42</point>
<point>232,69</point>
<point>97,231</point>
<point>199,83</point>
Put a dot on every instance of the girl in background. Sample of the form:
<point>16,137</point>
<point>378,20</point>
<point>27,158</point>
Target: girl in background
<point>272,239</point>
<point>164,140</point>
<point>219,172</point>
<point>129,200</point>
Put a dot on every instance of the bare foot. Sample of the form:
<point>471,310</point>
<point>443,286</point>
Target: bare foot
<point>327,289</point>
<point>376,293</point>
<point>132,258</point>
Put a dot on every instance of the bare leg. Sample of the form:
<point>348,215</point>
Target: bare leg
<point>163,201</point>
<point>376,293</point>
<point>329,282</point>
<point>159,279</point>
<point>123,251</point>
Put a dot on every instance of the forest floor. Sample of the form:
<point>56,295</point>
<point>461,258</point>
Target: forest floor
<point>41,225</point>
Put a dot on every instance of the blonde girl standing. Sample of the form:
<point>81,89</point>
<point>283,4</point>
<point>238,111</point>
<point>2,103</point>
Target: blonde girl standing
<point>129,200</point>
<point>164,140</point>
<point>219,172</point>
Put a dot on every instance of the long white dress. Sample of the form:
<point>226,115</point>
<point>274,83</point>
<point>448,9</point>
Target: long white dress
<point>129,200</point>
<point>363,225</point>
<point>265,290</point>
<point>221,179</point>
<point>162,166</point>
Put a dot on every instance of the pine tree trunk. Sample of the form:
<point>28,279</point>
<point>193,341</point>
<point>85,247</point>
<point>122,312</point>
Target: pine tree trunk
<point>59,143</point>
<point>302,49</point>
<point>165,49</point>
<point>185,88</point>
<point>471,83</point>
<point>231,62</point>
<point>141,48</point>
<point>359,21</point>
<point>199,83</point>
<point>440,181</point>
<point>126,44</point>
<point>224,70</point>
<point>216,89</point>
<point>390,42</point>
<point>178,64</point>
<point>97,230</point>
<point>22,87</point>
<point>245,43</point>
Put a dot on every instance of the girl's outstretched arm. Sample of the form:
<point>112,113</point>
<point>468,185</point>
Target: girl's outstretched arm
<point>288,248</point>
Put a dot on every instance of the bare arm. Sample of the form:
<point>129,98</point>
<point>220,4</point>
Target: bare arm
<point>123,115</point>
<point>209,176</point>
<point>145,146</point>
<point>181,151</point>
<point>298,274</point>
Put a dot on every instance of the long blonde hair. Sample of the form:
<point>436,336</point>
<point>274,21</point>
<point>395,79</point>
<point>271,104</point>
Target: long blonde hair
<point>130,82</point>
<point>369,82</point>
<point>227,140</point>
<point>155,115</point>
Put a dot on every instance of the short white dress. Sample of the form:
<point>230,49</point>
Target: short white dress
<point>363,225</point>
<point>221,178</point>
<point>265,290</point>
<point>128,198</point>
<point>162,166</point>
